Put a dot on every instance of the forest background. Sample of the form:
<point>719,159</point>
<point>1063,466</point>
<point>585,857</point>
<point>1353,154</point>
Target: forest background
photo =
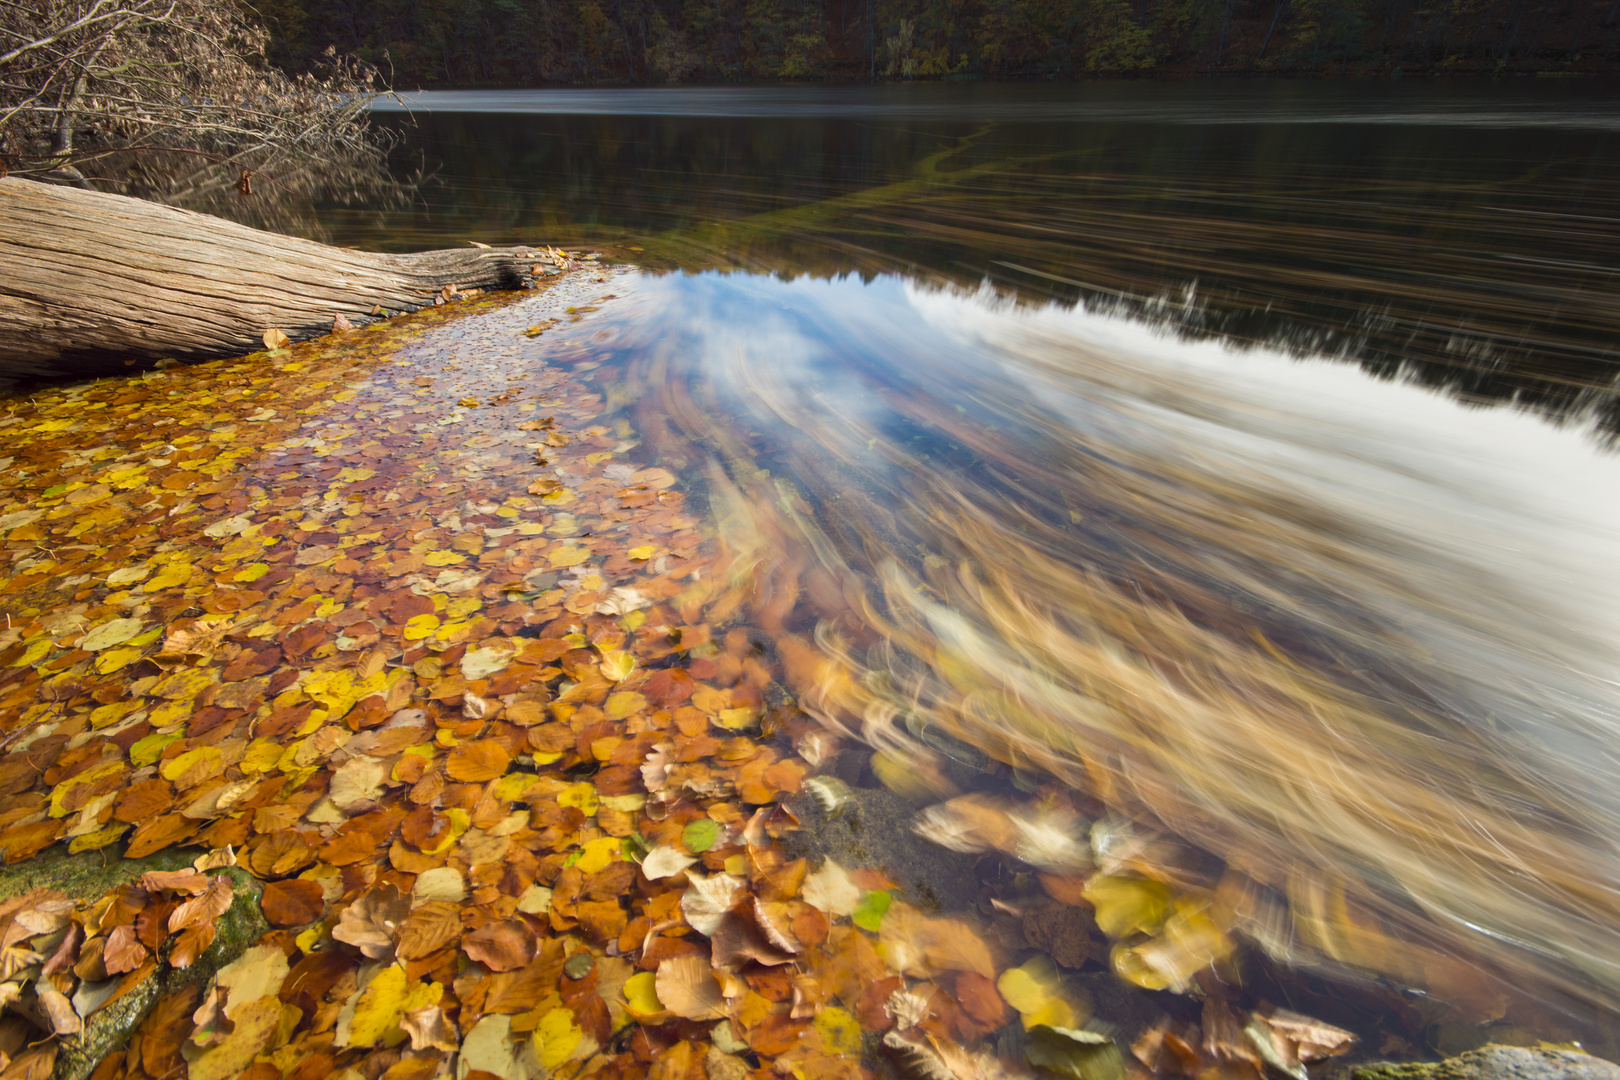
<point>436,43</point>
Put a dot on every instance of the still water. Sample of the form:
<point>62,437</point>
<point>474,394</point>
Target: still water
<point>1237,455</point>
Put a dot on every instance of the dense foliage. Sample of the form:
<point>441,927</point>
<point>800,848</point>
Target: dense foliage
<point>473,42</point>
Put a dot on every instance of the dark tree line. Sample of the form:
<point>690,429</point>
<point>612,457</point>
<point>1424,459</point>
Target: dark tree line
<point>531,42</point>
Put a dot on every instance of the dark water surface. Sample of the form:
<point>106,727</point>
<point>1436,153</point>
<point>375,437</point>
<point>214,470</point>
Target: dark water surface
<point>1463,233</point>
<point>1095,429</point>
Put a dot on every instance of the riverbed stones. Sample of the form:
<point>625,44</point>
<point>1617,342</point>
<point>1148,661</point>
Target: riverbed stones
<point>1499,1063</point>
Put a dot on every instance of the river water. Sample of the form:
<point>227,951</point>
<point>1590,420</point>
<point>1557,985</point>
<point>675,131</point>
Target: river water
<point>1237,455</point>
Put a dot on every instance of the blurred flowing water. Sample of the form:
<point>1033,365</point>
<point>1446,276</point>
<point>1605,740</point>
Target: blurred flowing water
<point>1138,436</point>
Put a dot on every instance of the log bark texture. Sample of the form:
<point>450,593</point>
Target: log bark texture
<point>94,284</point>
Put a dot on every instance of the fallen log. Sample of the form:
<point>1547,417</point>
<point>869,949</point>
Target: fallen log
<point>94,284</point>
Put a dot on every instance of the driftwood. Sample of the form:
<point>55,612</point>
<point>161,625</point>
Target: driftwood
<point>94,284</point>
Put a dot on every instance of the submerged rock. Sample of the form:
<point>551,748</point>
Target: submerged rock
<point>1499,1063</point>
<point>86,877</point>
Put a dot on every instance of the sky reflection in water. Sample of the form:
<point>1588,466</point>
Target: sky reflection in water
<point>1355,638</point>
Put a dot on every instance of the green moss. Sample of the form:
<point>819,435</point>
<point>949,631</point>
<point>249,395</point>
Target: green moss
<point>88,876</point>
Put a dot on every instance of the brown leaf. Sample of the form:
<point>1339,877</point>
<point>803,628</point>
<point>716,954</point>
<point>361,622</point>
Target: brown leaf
<point>57,1008</point>
<point>35,1063</point>
<point>371,922</point>
<point>776,1034</point>
<point>1298,1038</point>
<point>869,1009</point>
<point>501,946</point>
<point>185,881</point>
<point>204,909</point>
<point>430,1030</point>
<point>295,902</point>
<point>477,762</point>
<point>122,951</point>
<point>154,835</point>
<point>738,939</point>
<point>429,928</point>
<point>979,999</point>
<point>688,989</point>
<point>190,944</point>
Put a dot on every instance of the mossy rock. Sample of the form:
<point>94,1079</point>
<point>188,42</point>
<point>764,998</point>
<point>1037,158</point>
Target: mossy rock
<point>1498,1063</point>
<point>88,876</point>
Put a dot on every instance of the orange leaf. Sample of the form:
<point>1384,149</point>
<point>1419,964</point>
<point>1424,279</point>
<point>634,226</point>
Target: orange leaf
<point>477,762</point>
<point>501,946</point>
<point>203,909</point>
<point>298,902</point>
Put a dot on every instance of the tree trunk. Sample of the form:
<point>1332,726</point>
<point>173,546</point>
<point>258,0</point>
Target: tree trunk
<point>94,284</point>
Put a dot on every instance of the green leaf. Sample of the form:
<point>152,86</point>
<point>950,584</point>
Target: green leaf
<point>1083,1055</point>
<point>635,847</point>
<point>700,836</point>
<point>579,965</point>
<point>868,914</point>
<point>146,751</point>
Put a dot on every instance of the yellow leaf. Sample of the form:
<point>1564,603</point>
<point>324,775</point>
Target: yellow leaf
<point>597,855</point>
<point>468,403</point>
<point>1126,905</point>
<point>205,760</point>
<point>117,659</point>
<point>261,756</point>
<point>350,475</point>
<point>582,795</point>
<point>617,665</point>
<point>444,558</point>
<point>171,576</point>
<point>1035,990</point>
<point>624,703</point>
<point>567,556</point>
<point>95,841</point>
<point>840,1032</point>
<point>641,995</point>
<point>736,719</point>
<point>252,572</point>
<point>378,1007</point>
<point>643,553</point>
<point>418,627</point>
<point>87,777</point>
<point>557,1037</point>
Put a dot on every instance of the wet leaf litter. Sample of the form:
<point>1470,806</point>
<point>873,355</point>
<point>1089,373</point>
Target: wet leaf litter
<point>399,624</point>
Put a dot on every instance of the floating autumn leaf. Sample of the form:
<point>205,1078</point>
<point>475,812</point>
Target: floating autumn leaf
<point>739,939</point>
<point>123,951</point>
<point>1036,990</point>
<point>501,946</point>
<point>477,762</point>
<point>108,634</point>
<point>442,884</point>
<point>544,486</point>
<point>1288,1041</point>
<point>617,665</point>
<point>708,899</point>
<point>1084,1055</point>
<point>255,1025</point>
<point>831,890</point>
<point>1126,905</point>
<point>204,908</point>
<point>641,997</point>
<point>429,1029</point>
<point>700,835</point>
<point>663,862</point>
<point>687,988</point>
<point>275,339</point>
<point>258,972</point>
<point>295,902</point>
<point>869,911</point>
<point>371,923</point>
